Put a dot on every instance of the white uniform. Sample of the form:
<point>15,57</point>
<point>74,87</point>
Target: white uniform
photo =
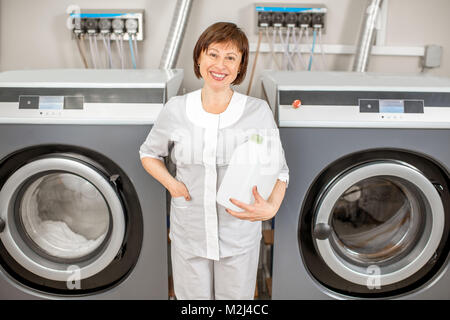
<point>201,145</point>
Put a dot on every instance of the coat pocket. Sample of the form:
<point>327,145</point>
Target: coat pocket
<point>180,202</point>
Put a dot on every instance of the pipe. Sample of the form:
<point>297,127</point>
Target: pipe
<point>366,38</point>
<point>176,34</point>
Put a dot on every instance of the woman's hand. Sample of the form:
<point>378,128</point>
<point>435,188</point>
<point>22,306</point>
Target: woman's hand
<point>178,189</point>
<point>260,210</point>
<point>158,170</point>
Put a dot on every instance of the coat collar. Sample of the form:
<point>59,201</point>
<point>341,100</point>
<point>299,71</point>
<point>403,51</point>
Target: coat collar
<point>197,115</point>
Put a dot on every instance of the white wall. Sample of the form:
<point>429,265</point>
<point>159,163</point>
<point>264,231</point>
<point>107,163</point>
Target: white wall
<point>33,34</point>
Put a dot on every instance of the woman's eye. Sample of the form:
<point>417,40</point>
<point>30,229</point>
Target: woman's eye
<point>231,58</point>
<point>213,55</point>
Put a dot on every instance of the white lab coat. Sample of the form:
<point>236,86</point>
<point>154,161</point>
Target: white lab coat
<point>201,145</point>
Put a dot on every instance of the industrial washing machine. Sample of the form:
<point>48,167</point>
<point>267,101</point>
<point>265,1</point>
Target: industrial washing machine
<point>367,211</point>
<point>80,217</point>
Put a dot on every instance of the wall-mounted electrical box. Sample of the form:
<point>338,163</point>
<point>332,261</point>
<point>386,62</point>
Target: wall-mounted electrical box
<point>290,15</point>
<point>114,22</point>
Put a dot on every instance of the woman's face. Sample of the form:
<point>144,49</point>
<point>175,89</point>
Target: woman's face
<point>219,64</point>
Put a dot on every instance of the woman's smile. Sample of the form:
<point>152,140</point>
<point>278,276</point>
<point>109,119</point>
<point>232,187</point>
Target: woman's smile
<point>219,64</point>
<point>218,76</point>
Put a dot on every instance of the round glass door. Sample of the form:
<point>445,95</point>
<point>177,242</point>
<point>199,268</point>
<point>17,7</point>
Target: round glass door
<point>385,215</point>
<point>63,216</point>
<point>378,220</point>
<point>61,212</point>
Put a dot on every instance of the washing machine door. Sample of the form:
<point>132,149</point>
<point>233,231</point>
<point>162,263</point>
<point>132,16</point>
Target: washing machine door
<point>63,214</point>
<point>378,224</point>
<point>63,219</point>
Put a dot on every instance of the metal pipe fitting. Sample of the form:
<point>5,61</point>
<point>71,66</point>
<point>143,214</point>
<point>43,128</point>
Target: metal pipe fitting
<point>176,34</point>
<point>366,38</point>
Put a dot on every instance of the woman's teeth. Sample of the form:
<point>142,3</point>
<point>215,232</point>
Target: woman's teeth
<point>219,76</point>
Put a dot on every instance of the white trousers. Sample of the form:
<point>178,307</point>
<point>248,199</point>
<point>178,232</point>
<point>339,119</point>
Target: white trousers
<point>230,278</point>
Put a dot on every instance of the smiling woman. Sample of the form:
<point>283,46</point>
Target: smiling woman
<point>221,59</point>
<point>214,250</point>
<point>222,62</point>
<point>223,38</point>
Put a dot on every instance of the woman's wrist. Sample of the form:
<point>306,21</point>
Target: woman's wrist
<point>277,195</point>
<point>171,184</point>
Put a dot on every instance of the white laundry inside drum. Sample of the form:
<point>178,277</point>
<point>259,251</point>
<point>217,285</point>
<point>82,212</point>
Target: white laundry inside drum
<point>64,215</point>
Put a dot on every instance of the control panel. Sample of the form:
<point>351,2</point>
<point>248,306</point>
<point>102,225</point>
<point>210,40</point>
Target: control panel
<point>401,113</point>
<point>117,23</point>
<point>75,110</point>
<point>290,15</point>
<point>51,102</point>
<point>357,100</point>
<point>390,106</point>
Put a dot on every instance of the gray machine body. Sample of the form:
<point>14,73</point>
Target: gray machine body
<point>148,279</point>
<point>321,134</point>
<point>309,151</point>
<point>100,140</point>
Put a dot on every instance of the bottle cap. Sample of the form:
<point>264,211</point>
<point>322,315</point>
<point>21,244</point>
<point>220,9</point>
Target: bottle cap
<point>256,138</point>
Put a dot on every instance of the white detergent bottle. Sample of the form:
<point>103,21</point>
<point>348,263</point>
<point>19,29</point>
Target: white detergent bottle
<point>253,163</point>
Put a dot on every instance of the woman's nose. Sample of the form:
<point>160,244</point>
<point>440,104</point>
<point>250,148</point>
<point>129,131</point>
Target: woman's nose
<point>221,62</point>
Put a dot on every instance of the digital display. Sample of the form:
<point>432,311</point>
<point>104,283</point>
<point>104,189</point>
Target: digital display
<point>392,106</point>
<point>51,103</point>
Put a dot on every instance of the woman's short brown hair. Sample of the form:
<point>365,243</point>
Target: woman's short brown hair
<point>222,32</point>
